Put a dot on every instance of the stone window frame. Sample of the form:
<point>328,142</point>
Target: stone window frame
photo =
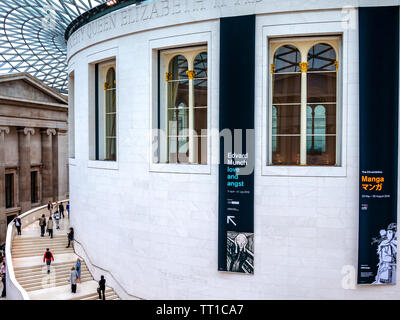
<point>204,37</point>
<point>292,25</point>
<point>14,171</point>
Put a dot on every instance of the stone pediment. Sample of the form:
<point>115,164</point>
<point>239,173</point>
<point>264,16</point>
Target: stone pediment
<point>24,86</point>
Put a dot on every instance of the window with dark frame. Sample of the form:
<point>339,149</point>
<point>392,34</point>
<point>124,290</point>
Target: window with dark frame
<point>9,190</point>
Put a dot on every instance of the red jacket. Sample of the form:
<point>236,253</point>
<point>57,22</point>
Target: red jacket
<point>45,259</point>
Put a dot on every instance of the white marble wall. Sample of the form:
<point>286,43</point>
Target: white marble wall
<point>156,232</point>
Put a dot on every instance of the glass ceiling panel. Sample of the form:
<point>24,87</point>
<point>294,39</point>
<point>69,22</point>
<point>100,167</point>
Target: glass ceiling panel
<point>32,37</point>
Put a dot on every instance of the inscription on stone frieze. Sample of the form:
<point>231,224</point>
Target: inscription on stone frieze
<point>149,11</point>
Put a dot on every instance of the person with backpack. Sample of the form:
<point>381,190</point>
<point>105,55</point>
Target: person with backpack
<point>18,224</point>
<point>57,219</point>
<point>50,227</point>
<point>102,288</point>
<point>42,224</point>
<point>70,237</point>
<point>61,209</point>
<point>73,278</point>
<point>48,257</point>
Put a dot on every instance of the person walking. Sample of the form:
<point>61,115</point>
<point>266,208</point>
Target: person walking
<point>18,224</point>
<point>42,224</point>
<point>68,209</point>
<point>48,257</point>
<point>3,279</point>
<point>78,269</point>
<point>50,207</point>
<point>61,209</point>
<point>73,277</point>
<point>57,219</point>
<point>50,227</point>
<point>70,237</point>
<point>102,288</point>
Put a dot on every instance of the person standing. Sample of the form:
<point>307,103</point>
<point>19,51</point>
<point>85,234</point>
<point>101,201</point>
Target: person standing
<point>61,209</point>
<point>18,224</point>
<point>73,277</point>
<point>78,269</point>
<point>70,237</point>
<point>3,279</point>
<point>102,288</point>
<point>50,207</point>
<point>48,257</point>
<point>50,227</point>
<point>68,209</point>
<point>42,224</point>
<point>57,219</point>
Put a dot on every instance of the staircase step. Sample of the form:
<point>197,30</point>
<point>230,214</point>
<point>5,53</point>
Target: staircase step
<point>53,264</point>
<point>59,275</point>
<point>58,283</point>
<point>94,294</point>
<point>38,271</point>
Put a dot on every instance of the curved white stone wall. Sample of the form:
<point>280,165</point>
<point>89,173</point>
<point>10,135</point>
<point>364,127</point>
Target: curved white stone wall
<point>156,231</point>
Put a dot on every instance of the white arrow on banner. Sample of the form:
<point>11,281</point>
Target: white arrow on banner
<point>229,219</point>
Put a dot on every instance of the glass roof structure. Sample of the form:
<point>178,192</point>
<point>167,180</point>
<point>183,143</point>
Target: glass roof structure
<point>32,37</point>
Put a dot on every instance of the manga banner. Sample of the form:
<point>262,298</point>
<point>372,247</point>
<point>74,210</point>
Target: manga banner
<point>379,83</point>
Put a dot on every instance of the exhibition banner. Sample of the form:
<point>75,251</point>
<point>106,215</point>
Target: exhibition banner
<point>379,83</point>
<point>236,125</point>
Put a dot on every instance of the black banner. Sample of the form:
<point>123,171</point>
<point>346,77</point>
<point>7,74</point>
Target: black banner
<point>236,124</point>
<point>379,82</point>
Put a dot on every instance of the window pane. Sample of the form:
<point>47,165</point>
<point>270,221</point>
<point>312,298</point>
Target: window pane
<point>180,144</point>
<point>178,67</point>
<point>321,87</point>
<point>200,93</point>
<point>321,150</point>
<point>178,94</point>
<point>200,121</point>
<point>111,148</point>
<point>201,149</point>
<point>110,125</point>
<point>287,59</point>
<point>321,57</point>
<point>286,88</point>
<point>286,119</point>
<point>178,121</point>
<point>287,150</point>
<point>110,100</point>
<point>200,65</point>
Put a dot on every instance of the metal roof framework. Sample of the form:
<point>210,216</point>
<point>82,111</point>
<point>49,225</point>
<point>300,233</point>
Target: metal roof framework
<point>32,37</point>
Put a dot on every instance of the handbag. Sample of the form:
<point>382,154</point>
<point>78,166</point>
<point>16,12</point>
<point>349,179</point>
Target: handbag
<point>98,290</point>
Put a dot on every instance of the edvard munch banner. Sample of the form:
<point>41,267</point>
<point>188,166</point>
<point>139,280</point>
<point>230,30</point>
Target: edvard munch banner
<point>379,83</point>
<point>236,124</point>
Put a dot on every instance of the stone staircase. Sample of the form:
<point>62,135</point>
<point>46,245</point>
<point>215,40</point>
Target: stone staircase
<point>31,272</point>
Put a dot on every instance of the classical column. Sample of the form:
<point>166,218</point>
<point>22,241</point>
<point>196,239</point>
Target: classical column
<point>303,114</point>
<point>47,161</point>
<point>24,155</point>
<point>55,164</point>
<point>3,217</point>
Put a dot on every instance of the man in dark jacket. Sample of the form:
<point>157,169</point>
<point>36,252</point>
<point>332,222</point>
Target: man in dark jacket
<point>42,224</point>
<point>70,237</point>
<point>102,288</point>
<point>18,224</point>
<point>61,209</point>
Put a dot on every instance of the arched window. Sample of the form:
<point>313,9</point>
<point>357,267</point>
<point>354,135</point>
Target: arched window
<point>321,98</point>
<point>110,116</point>
<point>178,109</point>
<point>303,110</point>
<point>286,100</point>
